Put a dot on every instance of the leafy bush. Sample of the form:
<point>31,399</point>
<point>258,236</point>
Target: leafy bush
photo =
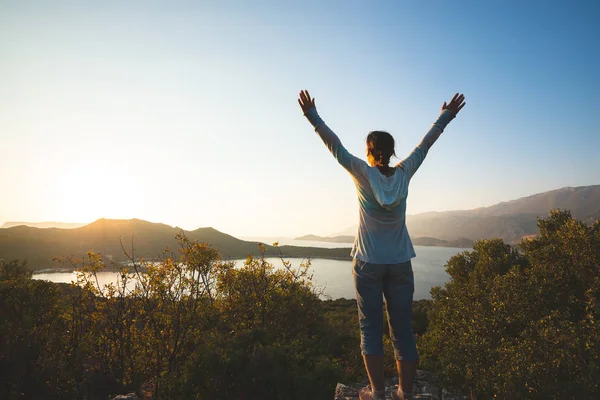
<point>521,324</point>
<point>180,328</point>
<point>31,346</point>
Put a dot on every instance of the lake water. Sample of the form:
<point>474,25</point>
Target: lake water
<point>333,275</point>
<point>293,242</point>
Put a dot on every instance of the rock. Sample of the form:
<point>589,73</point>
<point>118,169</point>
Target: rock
<point>446,395</point>
<point>425,388</point>
<point>343,392</point>
<point>129,396</point>
<point>425,376</point>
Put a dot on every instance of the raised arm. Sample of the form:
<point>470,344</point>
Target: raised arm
<point>411,163</point>
<point>352,164</point>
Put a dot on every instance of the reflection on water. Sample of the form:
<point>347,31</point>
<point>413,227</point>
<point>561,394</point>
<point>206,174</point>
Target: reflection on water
<point>294,242</point>
<point>333,275</point>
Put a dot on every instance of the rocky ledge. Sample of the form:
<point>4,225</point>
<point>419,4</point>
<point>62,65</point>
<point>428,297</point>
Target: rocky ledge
<point>425,387</point>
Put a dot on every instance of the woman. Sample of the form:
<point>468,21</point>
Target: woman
<point>382,248</point>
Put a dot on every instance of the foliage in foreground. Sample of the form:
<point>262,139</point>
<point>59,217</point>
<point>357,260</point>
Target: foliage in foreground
<point>521,324</point>
<point>186,328</point>
<point>510,324</point>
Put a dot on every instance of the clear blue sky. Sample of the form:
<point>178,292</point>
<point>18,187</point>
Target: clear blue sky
<point>185,112</point>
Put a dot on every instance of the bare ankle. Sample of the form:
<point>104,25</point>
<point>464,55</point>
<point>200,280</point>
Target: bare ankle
<point>378,394</point>
<point>402,395</point>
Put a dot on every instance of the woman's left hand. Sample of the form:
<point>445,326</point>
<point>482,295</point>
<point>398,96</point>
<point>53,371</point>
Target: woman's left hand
<point>456,104</point>
<point>305,101</point>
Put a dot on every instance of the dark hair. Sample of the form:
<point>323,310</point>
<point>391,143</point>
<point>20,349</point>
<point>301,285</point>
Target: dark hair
<point>380,147</point>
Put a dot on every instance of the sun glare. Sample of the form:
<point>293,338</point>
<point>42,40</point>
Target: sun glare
<point>87,191</point>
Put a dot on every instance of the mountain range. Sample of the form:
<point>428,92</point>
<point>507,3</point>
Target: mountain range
<point>509,220</point>
<point>63,225</point>
<point>418,241</point>
<point>330,239</point>
<point>39,246</point>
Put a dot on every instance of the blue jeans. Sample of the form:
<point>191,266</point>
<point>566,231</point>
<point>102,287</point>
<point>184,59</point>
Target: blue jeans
<point>396,282</point>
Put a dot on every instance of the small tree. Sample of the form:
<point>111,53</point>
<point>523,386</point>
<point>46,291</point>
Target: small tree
<point>139,329</point>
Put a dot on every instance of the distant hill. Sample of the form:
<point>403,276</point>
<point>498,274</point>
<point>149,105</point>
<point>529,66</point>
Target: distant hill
<point>350,231</point>
<point>462,243</point>
<point>509,220</point>
<point>592,218</point>
<point>419,241</point>
<point>40,246</point>
<point>62,225</point>
<point>331,239</point>
<point>582,201</point>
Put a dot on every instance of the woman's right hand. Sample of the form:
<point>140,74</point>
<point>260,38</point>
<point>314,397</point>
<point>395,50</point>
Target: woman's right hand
<point>306,102</point>
<point>456,104</point>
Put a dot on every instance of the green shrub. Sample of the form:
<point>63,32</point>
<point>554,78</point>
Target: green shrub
<point>521,324</point>
<point>191,327</point>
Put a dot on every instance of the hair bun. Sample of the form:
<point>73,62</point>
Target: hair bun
<point>380,147</point>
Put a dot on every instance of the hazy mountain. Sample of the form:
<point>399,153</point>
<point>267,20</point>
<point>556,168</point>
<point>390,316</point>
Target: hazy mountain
<point>40,246</point>
<point>463,243</point>
<point>582,201</point>
<point>62,225</point>
<point>509,220</point>
<point>331,239</point>
<point>592,218</point>
<point>350,231</point>
<point>419,241</point>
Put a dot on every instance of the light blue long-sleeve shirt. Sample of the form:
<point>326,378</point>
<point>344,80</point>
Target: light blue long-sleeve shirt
<point>382,237</point>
